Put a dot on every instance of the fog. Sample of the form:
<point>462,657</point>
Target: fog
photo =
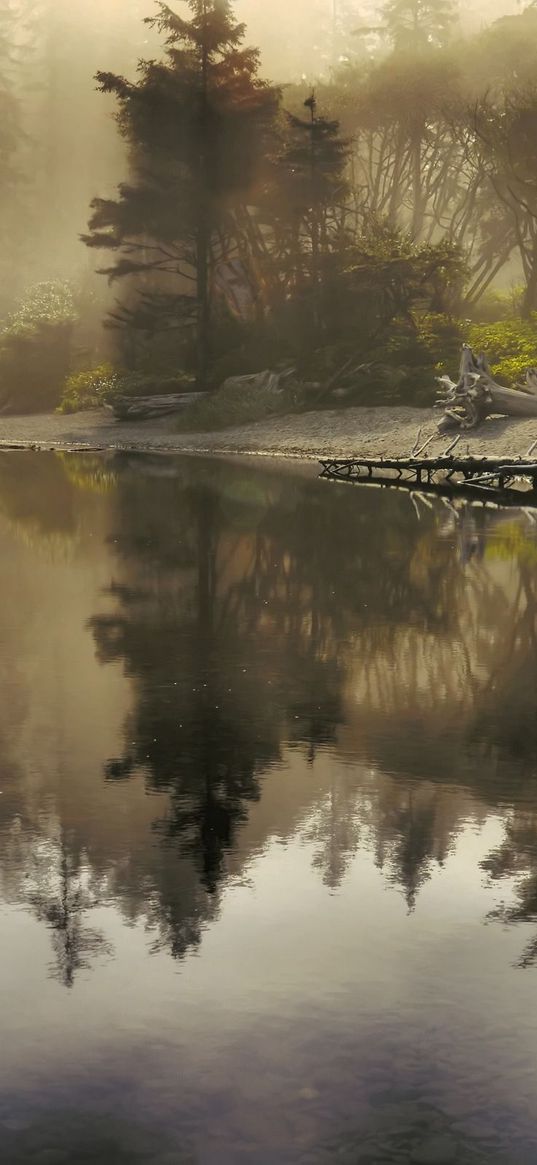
<point>60,147</point>
<point>70,141</point>
<point>296,37</point>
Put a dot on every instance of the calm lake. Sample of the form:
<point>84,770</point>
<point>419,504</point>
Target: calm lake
<point>268,819</point>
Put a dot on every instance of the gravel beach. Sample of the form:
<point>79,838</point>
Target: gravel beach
<point>361,431</point>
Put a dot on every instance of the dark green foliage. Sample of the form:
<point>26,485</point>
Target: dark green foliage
<point>36,349</point>
<point>389,292</point>
<point>309,178</point>
<point>195,124</point>
<point>428,349</point>
<point>308,185</point>
<point>301,220</point>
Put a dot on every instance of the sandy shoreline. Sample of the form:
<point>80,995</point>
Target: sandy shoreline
<point>357,431</point>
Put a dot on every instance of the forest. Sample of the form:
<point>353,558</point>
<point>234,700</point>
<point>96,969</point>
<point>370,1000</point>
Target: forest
<point>172,217</point>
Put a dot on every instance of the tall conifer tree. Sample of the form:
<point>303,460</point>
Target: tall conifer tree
<point>195,124</point>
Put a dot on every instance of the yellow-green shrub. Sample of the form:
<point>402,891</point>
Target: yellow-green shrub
<point>35,348</point>
<point>89,390</point>
<point>509,345</point>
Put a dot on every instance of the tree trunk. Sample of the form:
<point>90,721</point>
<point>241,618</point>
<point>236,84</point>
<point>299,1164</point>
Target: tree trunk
<point>529,301</point>
<point>204,305</point>
<point>203,228</point>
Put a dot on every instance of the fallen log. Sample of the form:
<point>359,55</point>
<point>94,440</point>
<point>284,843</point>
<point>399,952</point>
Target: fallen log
<point>476,395</point>
<point>268,380</point>
<point>486,477</point>
<point>145,408</point>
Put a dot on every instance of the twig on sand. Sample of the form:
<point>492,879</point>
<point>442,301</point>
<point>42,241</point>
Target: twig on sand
<point>452,446</point>
<point>416,452</point>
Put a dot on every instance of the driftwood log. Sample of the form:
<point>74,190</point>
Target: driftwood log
<point>144,408</point>
<point>476,395</point>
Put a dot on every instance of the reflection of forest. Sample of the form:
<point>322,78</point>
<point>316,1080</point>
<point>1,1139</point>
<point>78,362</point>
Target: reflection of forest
<point>295,657</point>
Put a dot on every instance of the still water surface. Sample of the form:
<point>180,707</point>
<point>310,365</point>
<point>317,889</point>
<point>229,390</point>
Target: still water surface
<point>268,820</point>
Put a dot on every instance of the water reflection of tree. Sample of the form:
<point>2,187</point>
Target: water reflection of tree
<point>252,611</point>
<point>44,496</point>
<point>241,620</point>
<point>408,826</point>
<point>470,696</point>
<point>235,611</point>
<point>45,872</point>
<point>62,892</point>
<point>39,503</point>
<point>197,728</point>
<point>464,710</point>
<point>516,859</point>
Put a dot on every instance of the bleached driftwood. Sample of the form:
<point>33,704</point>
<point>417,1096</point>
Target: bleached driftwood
<point>476,395</point>
<point>144,408</point>
<point>268,380</point>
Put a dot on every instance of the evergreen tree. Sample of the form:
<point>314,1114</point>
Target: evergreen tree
<point>195,125</point>
<point>305,201</point>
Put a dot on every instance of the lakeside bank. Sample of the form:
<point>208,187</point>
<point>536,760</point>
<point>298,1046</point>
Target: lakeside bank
<point>368,432</point>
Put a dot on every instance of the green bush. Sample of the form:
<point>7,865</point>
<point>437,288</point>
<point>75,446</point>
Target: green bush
<point>35,349</point>
<point>509,345</point>
<point>99,386</point>
<point>416,349</point>
<point>89,390</point>
<point>431,341</point>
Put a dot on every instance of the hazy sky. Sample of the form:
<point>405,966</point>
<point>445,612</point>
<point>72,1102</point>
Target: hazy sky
<point>288,30</point>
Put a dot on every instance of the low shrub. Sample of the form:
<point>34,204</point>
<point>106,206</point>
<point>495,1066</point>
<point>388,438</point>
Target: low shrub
<point>88,390</point>
<point>35,349</point>
<point>238,405</point>
<point>405,364</point>
<point>99,386</point>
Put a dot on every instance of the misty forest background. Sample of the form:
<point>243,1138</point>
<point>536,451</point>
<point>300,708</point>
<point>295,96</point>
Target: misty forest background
<point>362,193</point>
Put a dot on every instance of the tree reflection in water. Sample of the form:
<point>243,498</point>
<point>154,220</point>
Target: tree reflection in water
<point>62,894</point>
<point>237,618</point>
<point>256,615</point>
